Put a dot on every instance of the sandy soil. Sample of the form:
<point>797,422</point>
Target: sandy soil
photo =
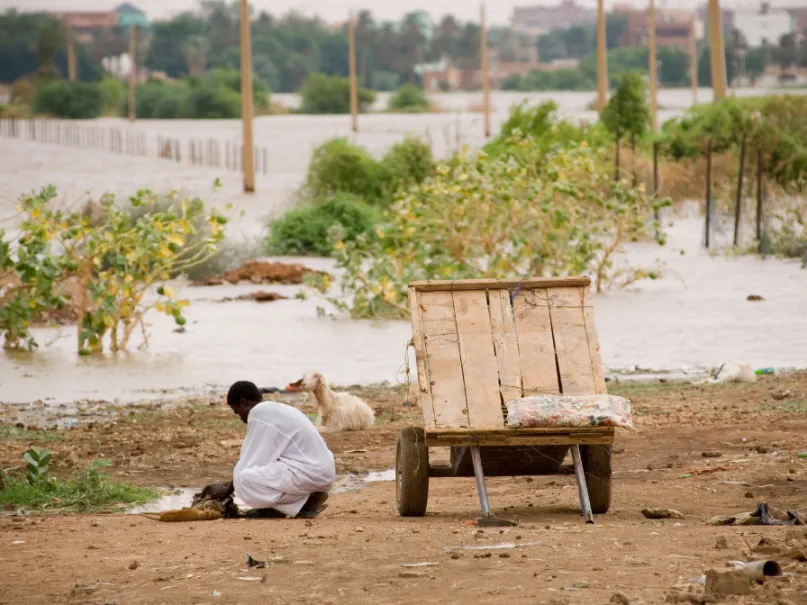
<point>355,552</point>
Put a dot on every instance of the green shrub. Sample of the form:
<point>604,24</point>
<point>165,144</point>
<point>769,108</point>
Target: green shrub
<point>331,95</point>
<point>542,124</point>
<point>406,163</point>
<point>483,217</point>
<point>70,100</point>
<point>339,166</point>
<point>627,112</point>
<point>213,101</point>
<point>314,229</point>
<point>115,93</point>
<point>410,99</point>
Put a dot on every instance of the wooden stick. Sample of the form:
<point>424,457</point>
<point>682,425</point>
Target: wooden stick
<point>693,60</point>
<point>738,208</point>
<point>653,65</point>
<point>485,69</point>
<point>246,99</point>
<point>71,54</point>
<point>717,49</point>
<point>656,211</point>
<point>132,72</point>
<point>354,94</point>
<point>602,58</point>
<point>760,187</point>
<point>485,284</point>
<point>708,190</point>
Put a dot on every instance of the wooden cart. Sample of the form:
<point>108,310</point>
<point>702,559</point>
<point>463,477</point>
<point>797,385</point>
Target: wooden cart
<point>480,344</point>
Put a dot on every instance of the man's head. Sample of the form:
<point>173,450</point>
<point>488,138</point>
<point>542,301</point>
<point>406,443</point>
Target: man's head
<point>242,397</point>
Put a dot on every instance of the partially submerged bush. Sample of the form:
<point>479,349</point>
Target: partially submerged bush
<point>69,100</point>
<point>407,163</point>
<point>313,229</point>
<point>409,99</point>
<point>544,126</point>
<point>331,95</point>
<point>339,166</point>
<point>111,261</point>
<point>555,214</point>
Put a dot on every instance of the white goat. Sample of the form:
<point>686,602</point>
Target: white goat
<point>336,411</point>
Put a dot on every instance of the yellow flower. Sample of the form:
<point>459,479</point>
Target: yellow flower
<point>339,245</point>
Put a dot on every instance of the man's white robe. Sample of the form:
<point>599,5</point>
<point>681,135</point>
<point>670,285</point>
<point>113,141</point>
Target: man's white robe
<point>283,460</point>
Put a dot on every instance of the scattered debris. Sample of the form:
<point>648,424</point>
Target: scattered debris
<point>662,513</point>
<point>263,272</point>
<point>412,574</point>
<point>734,372</point>
<point>720,582</point>
<point>251,578</point>
<point>255,563</point>
<point>259,296</point>
<point>781,395</point>
<point>722,543</point>
<point>711,454</point>
<point>754,298</point>
<point>761,516</point>
<point>619,598</point>
<point>134,565</point>
<point>424,564</point>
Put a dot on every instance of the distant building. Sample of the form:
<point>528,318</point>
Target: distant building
<point>799,16</point>
<point>672,28</point>
<point>85,23</point>
<point>537,20</point>
<point>763,26</point>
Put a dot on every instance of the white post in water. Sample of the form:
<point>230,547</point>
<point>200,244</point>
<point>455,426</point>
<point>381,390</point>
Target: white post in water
<point>246,100</point>
<point>693,60</point>
<point>485,69</point>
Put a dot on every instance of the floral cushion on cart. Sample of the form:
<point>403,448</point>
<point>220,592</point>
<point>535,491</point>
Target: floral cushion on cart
<point>567,410</point>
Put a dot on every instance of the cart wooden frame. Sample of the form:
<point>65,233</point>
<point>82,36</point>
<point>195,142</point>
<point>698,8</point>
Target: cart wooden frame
<point>480,344</point>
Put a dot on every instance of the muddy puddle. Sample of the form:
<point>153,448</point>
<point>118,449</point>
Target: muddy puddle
<point>178,498</point>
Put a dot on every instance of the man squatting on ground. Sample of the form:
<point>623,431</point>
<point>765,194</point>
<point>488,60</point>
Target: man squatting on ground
<point>285,465</point>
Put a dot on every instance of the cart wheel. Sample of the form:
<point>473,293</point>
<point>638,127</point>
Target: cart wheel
<point>597,464</point>
<point>412,472</point>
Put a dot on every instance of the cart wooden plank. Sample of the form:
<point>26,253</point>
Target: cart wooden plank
<point>517,437</point>
<point>539,374</point>
<point>571,342</point>
<point>479,371</point>
<point>505,344</point>
<point>593,343</point>
<point>443,355</point>
<point>421,360</point>
<point>436,285</point>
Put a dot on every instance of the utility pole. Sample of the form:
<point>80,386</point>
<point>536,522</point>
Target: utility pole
<point>718,51</point>
<point>248,163</point>
<point>485,69</point>
<point>72,72</point>
<point>602,59</point>
<point>653,66</point>
<point>354,88</point>
<point>132,71</point>
<point>693,60</point>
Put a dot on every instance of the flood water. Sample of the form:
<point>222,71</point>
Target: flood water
<point>695,316</point>
<point>175,499</point>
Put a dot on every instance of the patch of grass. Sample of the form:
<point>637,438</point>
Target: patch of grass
<point>794,406</point>
<point>12,433</point>
<point>86,491</point>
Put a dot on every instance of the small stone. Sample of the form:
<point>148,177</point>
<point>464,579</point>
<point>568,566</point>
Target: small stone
<point>95,523</point>
<point>504,555</point>
<point>764,449</point>
<point>727,582</point>
<point>662,513</point>
<point>749,494</point>
<point>619,599</point>
<point>134,565</point>
<point>781,395</point>
<point>754,298</point>
<point>412,574</point>
<point>711,454</point>
<point>483,555</point>
<point>456,555</point>
<point>359,530</point>
<point>722,543</point>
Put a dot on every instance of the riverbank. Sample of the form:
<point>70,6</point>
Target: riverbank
<point>355,551</point>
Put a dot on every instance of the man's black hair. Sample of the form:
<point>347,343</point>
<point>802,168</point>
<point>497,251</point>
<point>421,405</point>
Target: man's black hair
<point>243,389</point>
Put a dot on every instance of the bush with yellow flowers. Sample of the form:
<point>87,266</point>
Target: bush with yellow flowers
<point>523,214</point>
<point>111,261</point>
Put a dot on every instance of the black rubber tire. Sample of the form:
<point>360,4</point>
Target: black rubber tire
<point>412,472</point>
<point>597,465</point>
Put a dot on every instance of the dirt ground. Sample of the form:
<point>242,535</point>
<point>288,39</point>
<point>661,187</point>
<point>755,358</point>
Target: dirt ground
<point>356,551</point>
